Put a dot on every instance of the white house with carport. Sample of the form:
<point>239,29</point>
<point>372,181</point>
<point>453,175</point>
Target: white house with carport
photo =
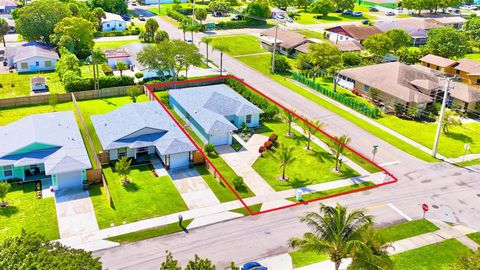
<point>45,146</point>
<point>214,112</point>
<point>113,22</point>
<point>31,57</point>
<point>143,129</point>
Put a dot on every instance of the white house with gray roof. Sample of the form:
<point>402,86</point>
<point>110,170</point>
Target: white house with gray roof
<point>141,129</point>
<point>214,111</point>
<point>44,146</point>
<point>31,57</point>
<point>113,22</point>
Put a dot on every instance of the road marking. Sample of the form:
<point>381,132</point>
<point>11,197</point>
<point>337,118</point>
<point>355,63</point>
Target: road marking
<point>376,207</point>
<point>399,212</point>
<point>389,163</point>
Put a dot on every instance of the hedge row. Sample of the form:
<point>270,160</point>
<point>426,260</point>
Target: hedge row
<point>84,84</point>
<point>370,111</point>
<point>117,33</point>
<point>178,16</point>
<point>239,24</point>
<point>269,109</point>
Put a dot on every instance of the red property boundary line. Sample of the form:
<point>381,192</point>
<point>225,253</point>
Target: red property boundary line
<point>151,87</point>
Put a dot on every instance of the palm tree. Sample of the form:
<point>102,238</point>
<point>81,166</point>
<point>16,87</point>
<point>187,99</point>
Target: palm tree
<point>4,28</point>
<point>222,48</point>
<point>310,128</point>
<point>376,256</point>
<point>207,41</point>
<point>193,28</point>
<point>121,66</point>
<point>97,57</point>
<point>338,148</point>
<point>184,27</point>
<point>285,156</point>
<point>334,231</point>
<point>288,118</point>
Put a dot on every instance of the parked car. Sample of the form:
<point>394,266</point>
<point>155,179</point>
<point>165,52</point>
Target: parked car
<point>289,19</point>
<point>357,14</point>
<point>126,18</point>
<point>372,9</point>
<point>366,22</point>
<point>253,266</point>
<point>238,17</point>
<point>134,3</point>
<point>389,13</point>
<point>280,16</point>
<point>348,12</point>
<point>338,11</point>
<point>141,18</point>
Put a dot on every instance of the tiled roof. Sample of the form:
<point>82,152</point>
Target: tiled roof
<point>437,60</point>
<point>289,39</point>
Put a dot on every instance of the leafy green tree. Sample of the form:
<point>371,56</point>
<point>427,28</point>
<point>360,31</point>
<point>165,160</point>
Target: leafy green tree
<point>282,65</point>
<point>378,45</point>
<point>222,48</point>
<point>345,4</point>
<point>285,155</point>
<point>201,14</point>
<point>133,92</point>
<point>67,62</point>
<point>288,118</point>
<point>468,262</point>
<point>193,28</point>
<point>187,55</point>
<point>199,264</point>
<point>184,27</point>
<point>53,101</point>
<point>334,231</point>
<point>323,7</point>
<point>98,13</point>
<point>323,55</point>
<point>170,263</point>
<point>114,6</point>
<point>257,8</point>
<point>408,56</point>
<point>151,26</point>
<point>219,6</point>
<point>160,36</point>
<point>37,20</point>
<point>4,188</point>
<point>417,5</point>
<point>450,119</point>
<point>4,28</point>
<point>75,34</point>
<point>30,250</point>
<point>351,59</point>
<point>283,3</point>
<point>303,4</point>
<point>310,129</point>
<point>447,42</point>
<point>122,168</point>
<point>400,38</point>
<point>121,66</point>
<point>472,29</point>
<point>338,147</point>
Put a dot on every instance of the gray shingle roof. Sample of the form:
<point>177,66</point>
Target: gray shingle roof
<point>29,50</point>
<point>141,125</point>
<point>62,145</point>
<point>210,105</point>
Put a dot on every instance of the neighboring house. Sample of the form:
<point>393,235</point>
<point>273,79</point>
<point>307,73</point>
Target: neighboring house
<point>31,57</point>
<point>7,6</point>
<point>438,63</point>
<point>214,112</point>
<point>38,84</point>
<point>349,46</point>
<point>128,54</point>
<point>381,3</point>
<point>392,83</point>
<point>156,2</point>
<point>466,97</point>
<point>455,22</point>
<point>44,146</point>
<point>419,23</point>
<point>351,32</point>
<point>468,70</point>
<point>11,25</point>
<point>113,22</point>
<point>274,12</point>
<point>419,35</point>
<point>143,129</point>
<point>287,41</point>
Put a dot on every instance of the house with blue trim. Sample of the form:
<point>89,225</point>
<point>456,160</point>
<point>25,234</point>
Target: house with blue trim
<point>7,6</point>
<point>31,57</point>
<point>214,112</point>
<point>143,129</point>
<point>113,22</point>
<point>45,146</point>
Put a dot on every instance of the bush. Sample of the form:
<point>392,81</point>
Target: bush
<point>351,59</point>
<point>138,75</point>
<point>76,84</point>
<point>239,184</point>
<point>107,70</point>
<point>118,33</point>
<point>239,24</point>
<point>268,144</point>
<point>273,137</point>
<point>113,81</point>
<point>177,16</point>
<point>209,148</point>
<point>281,64</point>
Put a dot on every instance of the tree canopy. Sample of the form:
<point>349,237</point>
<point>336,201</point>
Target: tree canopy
<point>400,38</point>
<point>378,44</point>
<point>75,34</point>
<point>447,42</point>
<point>114,6</point>
<point>258,8</point>
<point>4,28</point>
<point>323,7</point>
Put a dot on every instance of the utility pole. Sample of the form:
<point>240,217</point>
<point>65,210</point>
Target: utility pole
<point>440,120</point>
<point>159,8</point>
<point>193,14</point>
<point>274,48</point>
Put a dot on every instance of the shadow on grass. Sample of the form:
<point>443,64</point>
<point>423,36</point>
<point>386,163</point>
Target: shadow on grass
<point>95,191</point>
<point>295,182</point>
<point>131,187</point>
<point>322,156</point>
<point>8,211</point>
<point>459,137</point>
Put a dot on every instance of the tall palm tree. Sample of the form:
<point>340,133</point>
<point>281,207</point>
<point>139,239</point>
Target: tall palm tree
<point>4,28</point>
<point>285,156</point>
<point>288,118</point>
<point>376,256</point>
<point>310,129</point>
<point>184,27</point>
<point>338,148</point>
<point>193,28</point>
<point>334,231</point>
<point>97,57</point>
<point>207,41</point>
<point>222,48</point>
<point>121,66</point>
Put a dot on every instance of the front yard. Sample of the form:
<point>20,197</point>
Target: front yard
<point>27,212</point>
<point>113,44</point>
<point>17,85</point>
<point>145,197</point>
<point>240,44</point>
<point>310,166</point>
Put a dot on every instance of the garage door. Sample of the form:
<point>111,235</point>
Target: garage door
<point>70,180</point>
<point>179,160</point>
<point>220,139</point>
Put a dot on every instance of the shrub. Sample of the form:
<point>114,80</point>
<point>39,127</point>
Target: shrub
<point>113,81</point>
<point>239,184</point>
<point>239,24</point>
<point>138,75</point>
<point>273,137</point>
<point>268,144</point>
<point>209,148</point>
<point>76,83</point>
<point>261,150</point>
<point>281,64</point>
<point>177,16</point>
<point>107,70</point>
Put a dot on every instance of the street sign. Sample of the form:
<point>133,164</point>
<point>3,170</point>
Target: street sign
<point>425,209</point>
<point>374,151</point>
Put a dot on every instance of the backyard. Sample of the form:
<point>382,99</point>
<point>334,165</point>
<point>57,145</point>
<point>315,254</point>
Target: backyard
<point>113,44</point>
<point>146,196</point>
<point>320,163</point>
<point>243,44</point>
<point>16,85</point>
<point>27,212</point>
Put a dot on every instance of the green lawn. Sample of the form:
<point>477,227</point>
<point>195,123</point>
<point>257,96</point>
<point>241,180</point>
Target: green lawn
<point>438,256</point>
<point>405,15</point>
<point>302,258</point>
<point>150,233</point>
<point>320,164</point>
<point>310,33</point>
<point>240,44</point>
<point>113,44</point>
<point>407,229</point>
<point>27,212</point>
<point>309,18</point>
<point>13,114</point>
<point>146,196</point>
<point>254,207</point>
<point>469,162</point>
<point>16,85</point>
<point>475,237</point>
<point>473,56</point>
<point>320,194</point>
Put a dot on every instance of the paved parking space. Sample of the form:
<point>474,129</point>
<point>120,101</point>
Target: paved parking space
<point>193,189</point>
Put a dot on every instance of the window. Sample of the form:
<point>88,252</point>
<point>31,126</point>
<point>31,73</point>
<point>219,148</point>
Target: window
<point>248,119</point>
<point>48,63</point>
<point>457,72</point>
<point>428,64</point>
<point>366,88</point>
<point>24,65</point>
<point>37,63</point>
<point>122,152</point>
<point>108,25</point>
<point>478,81</point>
<point>438,68</point>
<point>8,171</point>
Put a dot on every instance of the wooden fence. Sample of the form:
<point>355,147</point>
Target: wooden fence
<point>66,97</point>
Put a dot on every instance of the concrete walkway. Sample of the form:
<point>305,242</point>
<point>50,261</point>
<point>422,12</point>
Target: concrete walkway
<point>193,189</point>
<point>75,214</point>
<point>158,167</point>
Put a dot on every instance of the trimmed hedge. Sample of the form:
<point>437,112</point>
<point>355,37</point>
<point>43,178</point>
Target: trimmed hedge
<point>84,84</point>
<point>178,16</point>
<point>239,24</point>
<point>270,110</point>
<point>117,33</point>
<point>370,111</point>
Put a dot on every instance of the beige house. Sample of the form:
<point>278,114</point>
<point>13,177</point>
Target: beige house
<point>455,22</point>
<point>287,40</point>
<point>468,70</point>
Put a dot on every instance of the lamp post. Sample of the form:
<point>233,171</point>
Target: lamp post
<point>274,48</point>
<point>374,151</point>
<point>440,120</point>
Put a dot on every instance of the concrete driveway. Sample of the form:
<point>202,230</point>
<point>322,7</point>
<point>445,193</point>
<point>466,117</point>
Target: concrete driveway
<point>75,214</point>
<point>193,189</point>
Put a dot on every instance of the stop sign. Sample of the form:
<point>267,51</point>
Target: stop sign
<point>425,207</point>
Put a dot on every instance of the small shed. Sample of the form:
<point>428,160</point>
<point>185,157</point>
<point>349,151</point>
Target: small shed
<point>38,84</point>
